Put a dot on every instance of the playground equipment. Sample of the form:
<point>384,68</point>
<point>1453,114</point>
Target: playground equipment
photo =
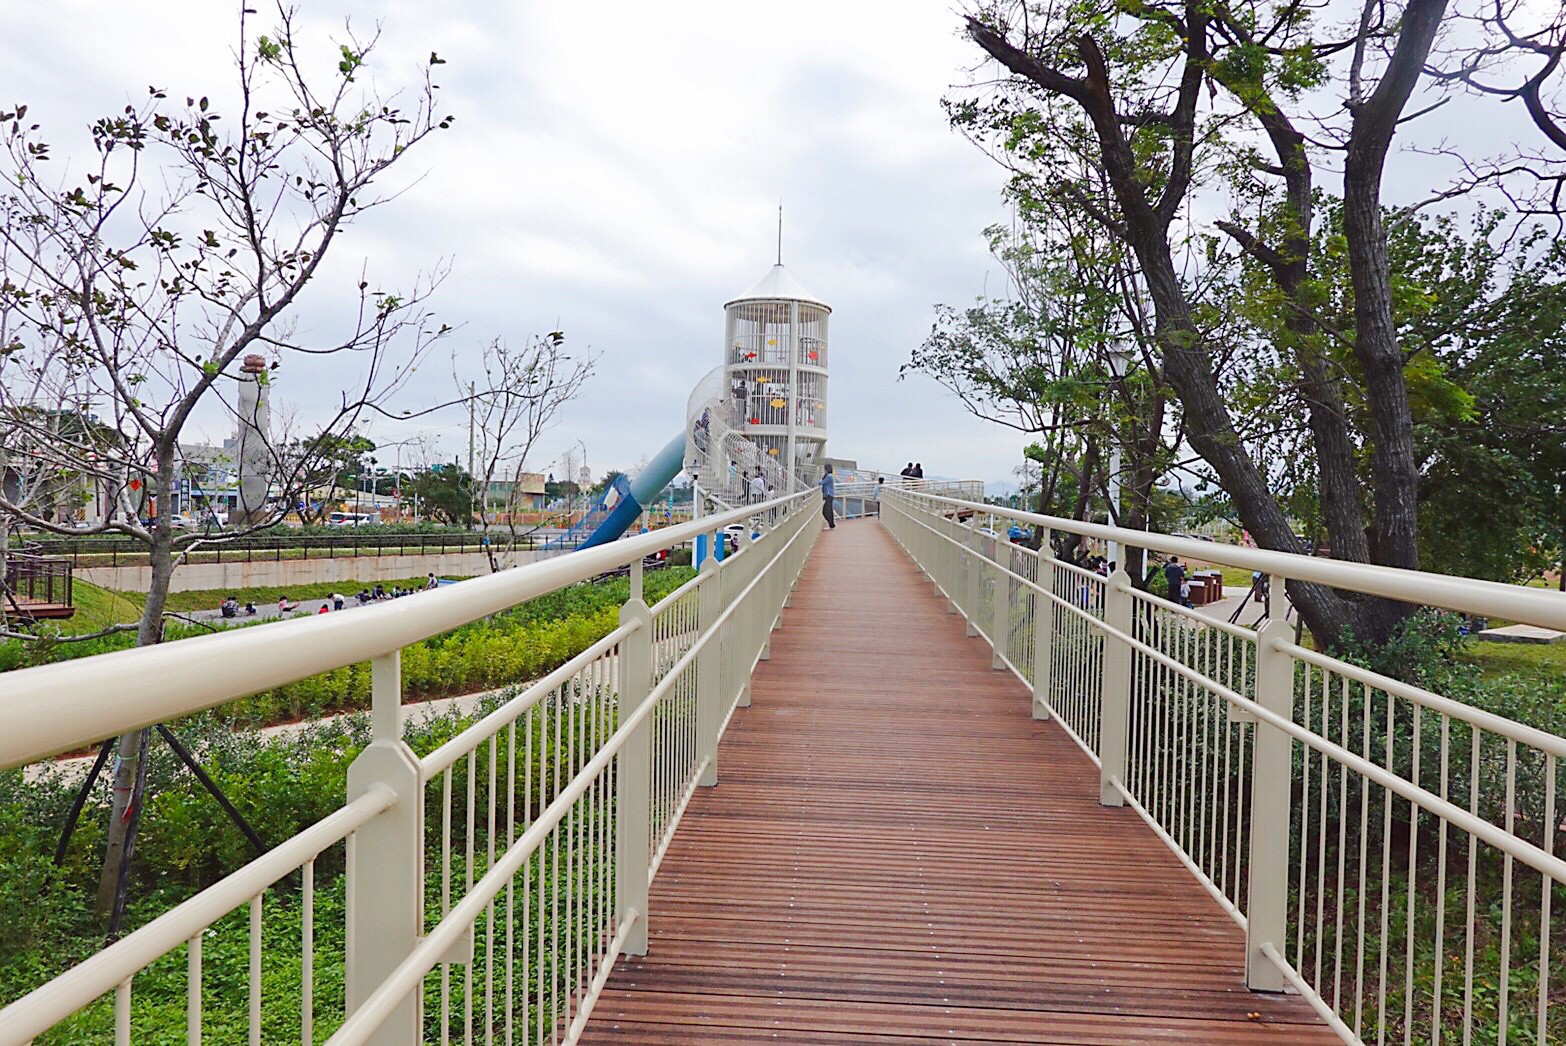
<point>775,361</point>
<point>762,410</point>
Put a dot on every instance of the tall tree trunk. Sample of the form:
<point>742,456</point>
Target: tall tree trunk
<point>131,751</point>
<point>1394,538</point>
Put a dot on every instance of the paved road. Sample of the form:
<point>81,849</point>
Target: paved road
<point>269,611</point>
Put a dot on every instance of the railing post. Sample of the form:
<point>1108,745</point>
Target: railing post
<point>734,677</point>
<point>633,791</point>
<point>386,888</point>
<point>784,520</point>
<point>1000,603</point>
<point>709,666</point>
<point>1271,773</point>
<point>972,576</point>
<point>1114,707</point>
<point>1044,630</point>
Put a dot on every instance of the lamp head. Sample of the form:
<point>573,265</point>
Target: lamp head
<point>1120,357</point>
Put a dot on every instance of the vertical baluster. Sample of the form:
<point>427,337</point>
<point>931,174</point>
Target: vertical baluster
<point>1364,842</point>
<point>1388,751</point>
<point>467,865</point>
<point>193,986</point>
<point>1504,1000</point>
<point>255,970</point>
<point>1306,753</point>
<point>1413,887</point>
<point>1437,1018</point>
<point>122,1013</point>
<point>306,954</point>
<point>445,901</point>
<point>1321,833</point>
<point>511,914</point>
<point>1337,937</point>
<point>1227,732</point>
<point>1547,888</point>
<point>532,883</point>
<point>553,868</point>
<point>489,909</point>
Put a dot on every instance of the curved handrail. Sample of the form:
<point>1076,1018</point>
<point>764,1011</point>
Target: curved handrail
<point>55,707</point>
<point>1468,595</point>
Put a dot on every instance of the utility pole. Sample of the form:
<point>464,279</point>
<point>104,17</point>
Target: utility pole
<point>470,452</point>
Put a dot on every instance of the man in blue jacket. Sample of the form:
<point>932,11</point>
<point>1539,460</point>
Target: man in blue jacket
<point>828,491</point>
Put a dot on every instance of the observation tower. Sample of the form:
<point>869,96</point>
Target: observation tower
<point>775,369</point>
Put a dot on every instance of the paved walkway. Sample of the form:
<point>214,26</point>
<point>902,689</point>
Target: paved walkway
<point>897,853</point>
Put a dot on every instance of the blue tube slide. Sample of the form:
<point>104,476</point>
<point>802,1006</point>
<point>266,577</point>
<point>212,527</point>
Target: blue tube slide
<point>646,487</point>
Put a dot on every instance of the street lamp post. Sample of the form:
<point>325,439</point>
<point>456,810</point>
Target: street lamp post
<point>1119,358</point>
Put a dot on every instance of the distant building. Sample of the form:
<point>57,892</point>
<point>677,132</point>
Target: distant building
<point>523,494</point>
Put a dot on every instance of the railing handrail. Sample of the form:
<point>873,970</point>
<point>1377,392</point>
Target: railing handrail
<point>1530,606</point>
<point>57,999</point>
<point>55,707</point>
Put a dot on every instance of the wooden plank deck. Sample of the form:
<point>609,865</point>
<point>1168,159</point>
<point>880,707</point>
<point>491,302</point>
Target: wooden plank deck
<point>897,853</point>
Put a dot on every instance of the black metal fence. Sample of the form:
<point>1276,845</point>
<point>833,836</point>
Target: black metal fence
<point>118,551</point>
<point>32,578</point>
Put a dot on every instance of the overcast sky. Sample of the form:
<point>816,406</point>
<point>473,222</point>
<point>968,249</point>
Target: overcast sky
<point>614,171</point>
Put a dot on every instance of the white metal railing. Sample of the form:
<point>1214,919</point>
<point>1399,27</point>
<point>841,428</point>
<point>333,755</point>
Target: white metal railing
<point>533,834</point>
<point>1393,854</point>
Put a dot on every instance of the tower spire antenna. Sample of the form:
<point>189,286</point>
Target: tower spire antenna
<point>780,232</point>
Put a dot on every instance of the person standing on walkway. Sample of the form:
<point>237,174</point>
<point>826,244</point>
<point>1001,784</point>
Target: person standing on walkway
<point>828,492</point>
<point>758,489</point>
<point>1174,574</point>
<point>880,485</point>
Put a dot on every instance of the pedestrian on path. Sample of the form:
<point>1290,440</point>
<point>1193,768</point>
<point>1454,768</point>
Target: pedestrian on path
<point>828,492</point>
<point>1174,574</point>
<point>758,489</point>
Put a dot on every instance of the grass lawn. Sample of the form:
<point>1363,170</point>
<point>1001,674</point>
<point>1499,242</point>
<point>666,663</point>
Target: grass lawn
<point>210,598</point>
<point>98,608</point>
<point>1499,660</point>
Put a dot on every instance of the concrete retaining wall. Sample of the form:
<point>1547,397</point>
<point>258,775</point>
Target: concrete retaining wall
<point>281,573</point>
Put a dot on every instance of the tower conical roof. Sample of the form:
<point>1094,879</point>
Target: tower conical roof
<point>779,284</point>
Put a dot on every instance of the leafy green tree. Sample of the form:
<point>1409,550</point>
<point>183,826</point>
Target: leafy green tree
<point>1042,361</point>
<point>1154,97</point>
<point>445,493</point>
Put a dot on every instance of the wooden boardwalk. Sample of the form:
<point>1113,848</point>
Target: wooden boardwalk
<point>897,853</point>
